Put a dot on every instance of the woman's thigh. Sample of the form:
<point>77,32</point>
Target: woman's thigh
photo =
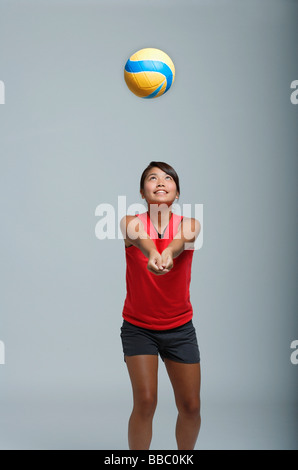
<point>143,372</point>
<point>186,382</point>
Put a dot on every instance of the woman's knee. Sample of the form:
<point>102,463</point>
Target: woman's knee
<point>190,407</point>
<point>145,403</point>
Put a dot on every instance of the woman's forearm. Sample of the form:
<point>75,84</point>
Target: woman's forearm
<point>176,247</point>
<point>135,233</point>
<point>191,229</point>
<point>146,245</point>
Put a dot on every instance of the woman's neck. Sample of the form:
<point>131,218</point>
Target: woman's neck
<point>160,216</point>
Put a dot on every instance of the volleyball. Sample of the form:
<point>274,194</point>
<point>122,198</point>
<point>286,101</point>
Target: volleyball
<point>149,73</point>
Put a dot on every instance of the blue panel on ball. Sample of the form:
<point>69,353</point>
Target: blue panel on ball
<point>138,66</point>
<point>152,95</point>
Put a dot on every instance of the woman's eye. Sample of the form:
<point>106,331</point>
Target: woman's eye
<point>151,177</point>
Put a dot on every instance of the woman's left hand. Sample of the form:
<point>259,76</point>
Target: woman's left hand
<point>167,260</point>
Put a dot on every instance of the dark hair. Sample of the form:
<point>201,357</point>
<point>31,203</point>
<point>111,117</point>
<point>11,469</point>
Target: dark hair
<point>164,167</point>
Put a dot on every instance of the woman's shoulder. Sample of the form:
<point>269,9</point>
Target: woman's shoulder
<point>190,224</point>
<point>133,223</point>
<point>189,220</point>
<point>126,219</point>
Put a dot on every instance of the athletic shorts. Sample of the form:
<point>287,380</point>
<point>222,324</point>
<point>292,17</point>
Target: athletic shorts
<point>177,344</point>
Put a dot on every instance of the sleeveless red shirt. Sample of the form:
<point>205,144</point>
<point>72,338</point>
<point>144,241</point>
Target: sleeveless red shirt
<point>158,302</point>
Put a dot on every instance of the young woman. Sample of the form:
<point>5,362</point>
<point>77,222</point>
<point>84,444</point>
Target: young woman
<point>157,311</point>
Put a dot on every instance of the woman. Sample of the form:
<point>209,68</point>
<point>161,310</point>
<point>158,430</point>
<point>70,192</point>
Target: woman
<point>157,311</point>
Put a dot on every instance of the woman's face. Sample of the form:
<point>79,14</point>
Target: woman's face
<point>159,188</point>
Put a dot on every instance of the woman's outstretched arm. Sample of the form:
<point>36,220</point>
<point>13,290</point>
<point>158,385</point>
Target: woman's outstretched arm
<point>133,230</point>
<point>189,231</point>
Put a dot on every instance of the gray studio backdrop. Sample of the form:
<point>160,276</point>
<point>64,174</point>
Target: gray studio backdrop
<point>73,137</point>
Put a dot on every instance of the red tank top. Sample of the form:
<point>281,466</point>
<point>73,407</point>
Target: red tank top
<point>152,301</point>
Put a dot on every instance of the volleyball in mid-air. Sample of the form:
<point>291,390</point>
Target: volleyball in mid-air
<point>149,73</point>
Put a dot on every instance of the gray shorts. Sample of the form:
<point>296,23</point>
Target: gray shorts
<point>177,344</point>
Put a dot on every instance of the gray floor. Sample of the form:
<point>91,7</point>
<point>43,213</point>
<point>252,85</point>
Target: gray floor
<point>99,421</point>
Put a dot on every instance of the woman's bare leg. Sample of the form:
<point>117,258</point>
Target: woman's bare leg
<point>143,375</point>
<point>186,382</point>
